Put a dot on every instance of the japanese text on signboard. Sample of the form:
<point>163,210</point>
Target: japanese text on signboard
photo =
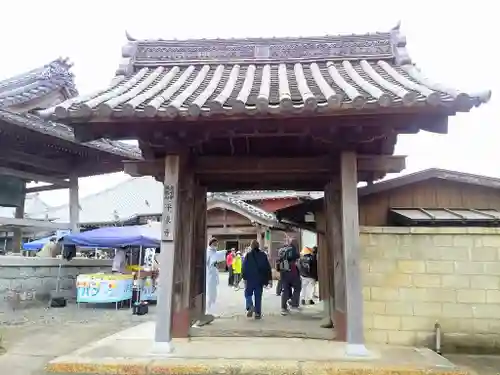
<point>168,213</point>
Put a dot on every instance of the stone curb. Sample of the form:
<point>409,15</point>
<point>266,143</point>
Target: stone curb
<point>206,366</point>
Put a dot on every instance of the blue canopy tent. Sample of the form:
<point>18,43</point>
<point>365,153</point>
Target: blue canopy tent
<point>136,235</point>
<point>39,243</point>
<point>36,244</point>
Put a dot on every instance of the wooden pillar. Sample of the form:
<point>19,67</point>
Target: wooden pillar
<point>163,329</point>
<point>328,243</point>
<point>74,206</point>
<point>184,250</point>
<point>199,250</point>
<point>353,302</point>
<point>17,239</point>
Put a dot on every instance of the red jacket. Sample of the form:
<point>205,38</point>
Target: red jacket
<point>229,259</point>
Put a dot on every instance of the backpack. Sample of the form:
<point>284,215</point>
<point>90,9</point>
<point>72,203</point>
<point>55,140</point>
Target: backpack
<point>305,265</point>
<point>285,259</point>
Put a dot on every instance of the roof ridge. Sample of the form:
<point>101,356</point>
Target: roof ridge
<point>426,174</point>
<point>148,52</point>
<point>464,174</point>
<point>244,205</point>
<point>61,62</point>
<point>51,76</point>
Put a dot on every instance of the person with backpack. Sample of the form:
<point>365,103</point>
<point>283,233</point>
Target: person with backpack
<point>308,267</point>
<point>289,276</point>
<point>256,272</point>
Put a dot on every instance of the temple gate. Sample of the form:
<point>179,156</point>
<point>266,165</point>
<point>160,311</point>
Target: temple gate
<point>295,113</point>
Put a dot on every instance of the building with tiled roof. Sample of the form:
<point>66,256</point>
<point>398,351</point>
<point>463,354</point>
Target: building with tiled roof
<point>39,88</point>
<point>137,200</point>
<point>33,149</point>
<point>172,79</point>
<point>272,200</point>
<point>133,198</point>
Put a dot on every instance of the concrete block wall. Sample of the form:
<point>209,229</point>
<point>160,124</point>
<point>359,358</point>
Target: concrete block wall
<point>39,275</point>
<point>415,277</point>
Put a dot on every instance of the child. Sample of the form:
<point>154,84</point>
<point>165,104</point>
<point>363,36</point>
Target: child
<point>237,270</point>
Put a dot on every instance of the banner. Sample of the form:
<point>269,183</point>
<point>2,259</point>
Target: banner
<point>103,288</point>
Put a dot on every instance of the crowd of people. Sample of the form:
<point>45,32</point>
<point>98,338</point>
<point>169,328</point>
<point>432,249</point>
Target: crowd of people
<point>298,275</point>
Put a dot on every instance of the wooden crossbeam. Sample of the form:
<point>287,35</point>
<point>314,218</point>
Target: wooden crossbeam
<point>207,165</point>
<point>33,177</point>
<point>231,231</point>
<point>34,161</point>
<point>237,165</point>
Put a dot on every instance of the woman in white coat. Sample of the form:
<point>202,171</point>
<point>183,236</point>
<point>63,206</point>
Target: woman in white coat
<point>213,258</point>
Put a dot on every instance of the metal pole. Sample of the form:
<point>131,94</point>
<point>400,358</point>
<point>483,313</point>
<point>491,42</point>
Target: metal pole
<point>139,287</point>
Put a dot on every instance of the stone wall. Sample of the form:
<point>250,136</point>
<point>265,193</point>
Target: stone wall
<point>414,277</point>
<point>34,278</point>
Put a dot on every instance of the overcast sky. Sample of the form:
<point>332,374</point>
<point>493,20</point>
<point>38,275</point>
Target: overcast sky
<point>452,41</point>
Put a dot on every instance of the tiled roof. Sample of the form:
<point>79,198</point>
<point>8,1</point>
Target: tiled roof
<point>64,132</point>
<point>172,79</point>
<point>253,210</point>
<point>37,83</point>
<point>431,173</point>
<point>252,195</point>
<point>141,196</point>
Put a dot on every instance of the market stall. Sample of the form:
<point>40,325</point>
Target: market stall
<point>137,281</point>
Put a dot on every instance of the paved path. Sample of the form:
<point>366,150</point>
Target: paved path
<point>35,336</point>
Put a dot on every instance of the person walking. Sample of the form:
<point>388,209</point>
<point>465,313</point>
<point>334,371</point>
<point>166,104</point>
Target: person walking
<point>256,272</point>
<point>229,266</point>
<point>289,276</point>
<point>236,267</point>
<point>308,268</point>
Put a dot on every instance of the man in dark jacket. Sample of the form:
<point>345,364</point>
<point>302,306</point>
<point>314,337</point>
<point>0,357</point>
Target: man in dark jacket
<point>256,272</point>
<point>289,276</point>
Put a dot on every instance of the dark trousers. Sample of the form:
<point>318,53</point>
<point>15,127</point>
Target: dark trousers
<point>279,287</point>
<point>236,279</point>
<point>291,286</point>
<point>253,297</point>
<point>231,276</point>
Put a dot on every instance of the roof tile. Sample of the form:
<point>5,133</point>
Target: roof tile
<point>192,78</point>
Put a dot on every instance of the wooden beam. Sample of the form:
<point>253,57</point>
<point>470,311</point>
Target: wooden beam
<point>381,163</point>
<point>311,165</point>
<point>244,165</point>
<point>231,231</point>
<point>35,161</point>
<point>38,189</point>
<point>137,168</point>
<point>33,177</point>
